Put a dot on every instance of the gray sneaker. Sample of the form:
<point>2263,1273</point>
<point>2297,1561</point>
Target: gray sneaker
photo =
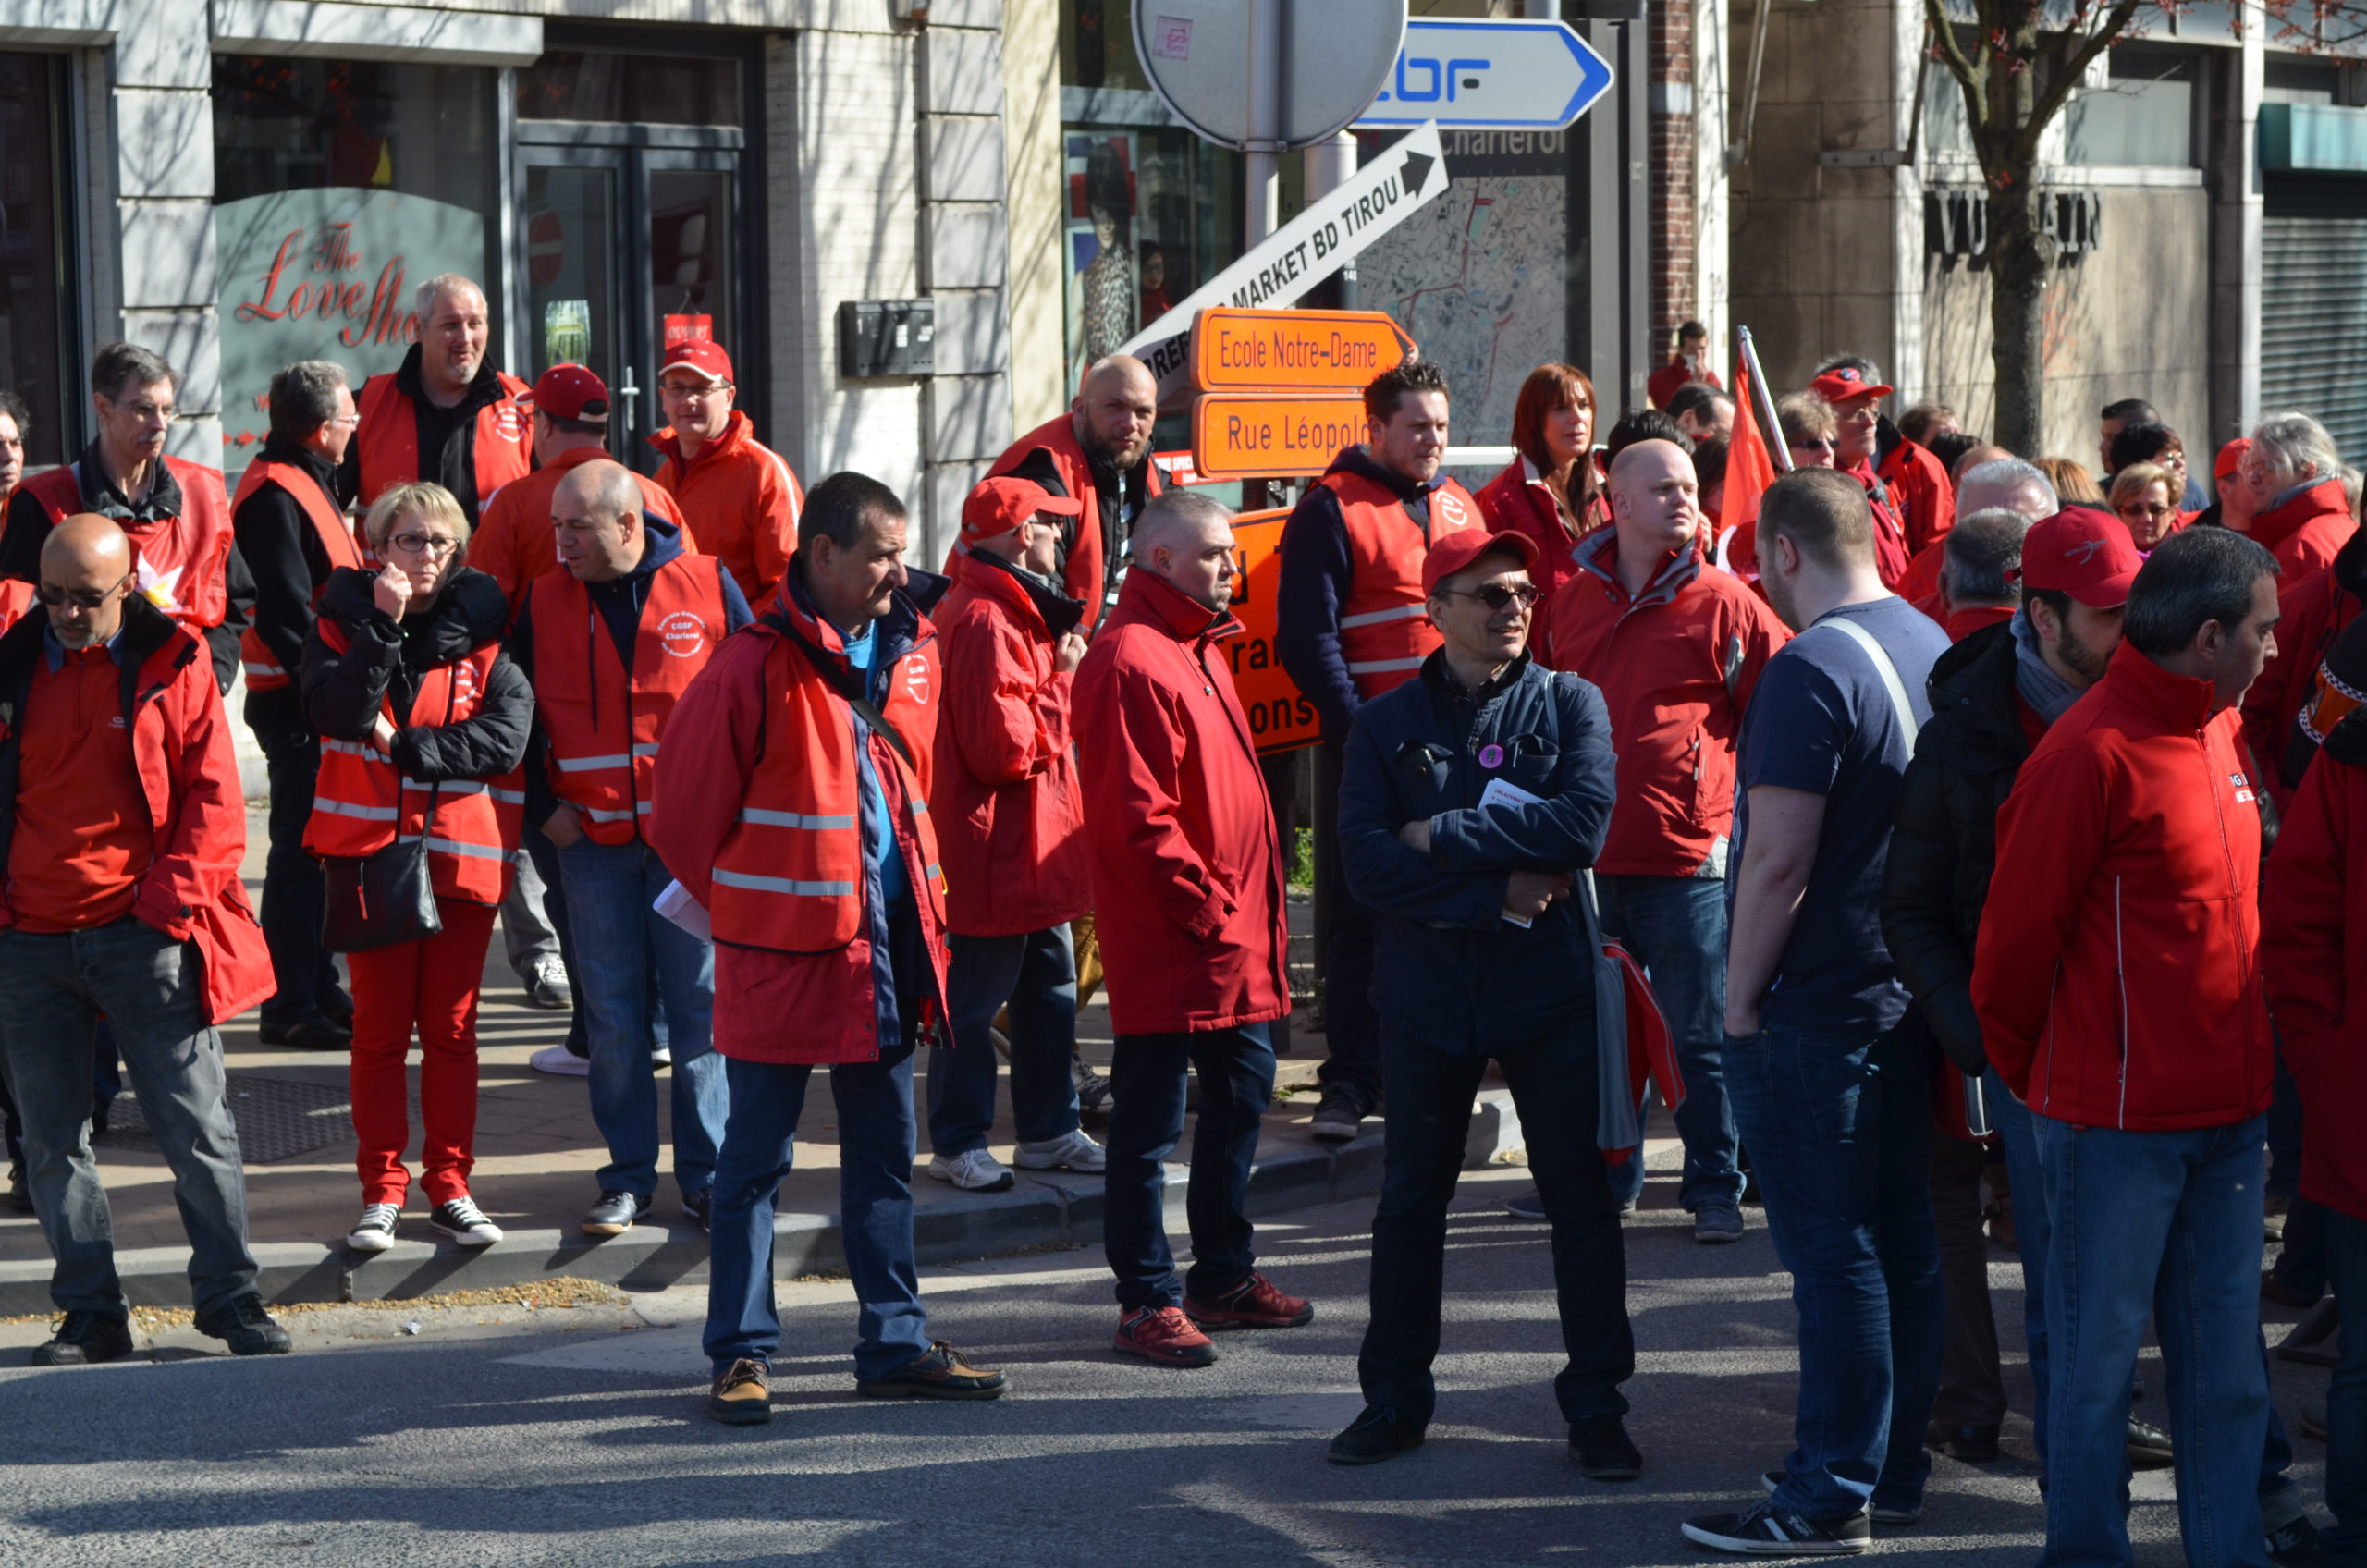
<point>1337,1118</point>
<point>1714,1224</point>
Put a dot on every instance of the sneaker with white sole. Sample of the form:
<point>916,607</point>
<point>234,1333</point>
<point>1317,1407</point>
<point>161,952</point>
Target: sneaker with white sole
<point>560,1062</point>
<point>1070,1151</point>
<point>464,1222</point>
<point>973,1170</point>
<point>1879,1513</point>
<point>546,985</point>
<point>1765,1530</point>
<point>375,1229</point>
<point>662,1056</point>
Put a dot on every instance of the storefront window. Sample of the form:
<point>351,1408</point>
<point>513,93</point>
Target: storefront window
<point>340,187</point>
<point>654,89</point>
<point>36,314</point>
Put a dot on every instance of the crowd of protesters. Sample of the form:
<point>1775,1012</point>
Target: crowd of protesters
<point>1907,822</point>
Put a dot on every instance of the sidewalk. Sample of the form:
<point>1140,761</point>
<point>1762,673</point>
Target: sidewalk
<point>537,1150</point>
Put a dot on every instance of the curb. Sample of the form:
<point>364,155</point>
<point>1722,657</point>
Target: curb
<point>1044,1208</point>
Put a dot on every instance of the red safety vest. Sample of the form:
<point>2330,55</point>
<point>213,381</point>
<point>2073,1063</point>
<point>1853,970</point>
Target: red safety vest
<point>362,800</point>
<point>180,561</point>
<point>603,729</point>
<point>789,877</point>
<point>337,538</point>
<point>389,437</point>
<point>1384,632</point>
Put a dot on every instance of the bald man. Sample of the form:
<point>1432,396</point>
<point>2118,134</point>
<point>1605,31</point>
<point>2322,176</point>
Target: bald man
<point>601,701</point>
<point>121,827</point>
<point>445,415</point>
<point>1098,453</point>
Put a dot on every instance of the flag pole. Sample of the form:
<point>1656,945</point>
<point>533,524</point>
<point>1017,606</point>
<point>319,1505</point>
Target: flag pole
<point>1764,400</point>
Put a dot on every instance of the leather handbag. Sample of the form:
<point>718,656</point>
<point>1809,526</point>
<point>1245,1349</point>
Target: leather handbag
<point>382,899</point>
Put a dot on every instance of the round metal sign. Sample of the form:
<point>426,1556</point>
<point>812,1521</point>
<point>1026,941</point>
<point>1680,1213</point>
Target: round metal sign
<point>1266,75</point>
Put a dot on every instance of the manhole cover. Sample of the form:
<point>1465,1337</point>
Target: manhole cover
<point>278,1118</point>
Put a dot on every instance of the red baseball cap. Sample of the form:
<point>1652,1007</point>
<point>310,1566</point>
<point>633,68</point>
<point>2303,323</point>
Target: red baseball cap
<point>2231,456</point>
<point>570,392</point>
<point>1463,546</point>
<point>1001,505</point>
<point>2083,552</point>
<point>1842,383</point>
<point>708,358</point>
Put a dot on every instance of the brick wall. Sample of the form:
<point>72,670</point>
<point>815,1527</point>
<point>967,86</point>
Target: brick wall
<point>1670,49</point>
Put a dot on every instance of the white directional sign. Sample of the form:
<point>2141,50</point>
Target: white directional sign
<point>1302,253</point>
<point>1493,76</point>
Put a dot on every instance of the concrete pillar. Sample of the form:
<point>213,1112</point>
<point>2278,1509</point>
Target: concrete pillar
<point>2236,237</point>
<point>1711,234</point>
<point>1030,85</point>
<point>159,162</point>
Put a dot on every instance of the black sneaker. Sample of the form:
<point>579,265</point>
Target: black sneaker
<point>1765,1530</point>
<point>1093,1094</point>
<point>313,1031</point>
<point>463,1222</point>
<point>20,1192</point>
<point>939,1373</point>
<point>1339,1116</point>
<point>2148,1446</point>
<point>615,1213</point>
<point>699,1209</point>
<point>1600,1449</point>
<point>337,1008</point>
<point>1974,1445</point>
<point>2295,1543</point>
<point>1529,1207</point>
<point>85,1339</point>
<point>1379,1433</point>
<point>1879,1513</point>
<point>246,1327</point>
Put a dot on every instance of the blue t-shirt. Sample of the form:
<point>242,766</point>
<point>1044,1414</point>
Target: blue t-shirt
<point>878,827</point>
<point>1822,720</point>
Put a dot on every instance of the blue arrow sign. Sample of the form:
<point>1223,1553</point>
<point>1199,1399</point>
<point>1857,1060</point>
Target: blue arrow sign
<point>1491,76</point>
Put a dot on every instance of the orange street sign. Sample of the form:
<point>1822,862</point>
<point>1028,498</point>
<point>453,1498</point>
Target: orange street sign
<point>1280,719</point>
<point>1292,350</point>
<point>1272,435</point>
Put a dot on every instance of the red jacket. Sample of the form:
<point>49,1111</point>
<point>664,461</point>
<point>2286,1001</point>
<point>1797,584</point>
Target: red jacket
<point>1677,665</point>
<point>1056,439</point>
<point>1187,877</point>
<point>2117,974</point>
<point>1891,549</point>
<point>181,741</point>
<point>513,541</point>
<point>740,503</point>
<point>1518,501</point>
<point>2311,614</point>
<point>1919,488</point>
<point>1010,821</point>
<point>2313,919</point>
<point>2305,532</point>
<point>1662,384</point>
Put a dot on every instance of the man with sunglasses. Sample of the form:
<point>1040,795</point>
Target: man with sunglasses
<point>175,513</point>
<point>121,829</point>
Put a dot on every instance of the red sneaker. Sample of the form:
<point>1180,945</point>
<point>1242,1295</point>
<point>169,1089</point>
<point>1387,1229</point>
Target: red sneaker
<point>1163,1334</point>
<point>1253,1304</point>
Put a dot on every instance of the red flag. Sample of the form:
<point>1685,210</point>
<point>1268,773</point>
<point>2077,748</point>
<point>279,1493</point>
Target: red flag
<point>1749,471</point>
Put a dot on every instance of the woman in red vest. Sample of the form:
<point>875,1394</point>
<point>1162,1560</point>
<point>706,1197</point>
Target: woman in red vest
<point>420,712</point>
<point>1551,492</point>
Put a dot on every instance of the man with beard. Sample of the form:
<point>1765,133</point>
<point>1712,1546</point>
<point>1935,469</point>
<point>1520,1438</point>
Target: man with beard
<point>445,415</point>
<point>1098,453</point>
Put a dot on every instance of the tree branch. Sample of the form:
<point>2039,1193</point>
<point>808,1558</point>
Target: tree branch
<point>1970,77</point>
<point>2070,66</point>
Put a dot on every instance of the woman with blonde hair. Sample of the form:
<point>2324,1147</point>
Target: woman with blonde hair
<point>2145,497</point>
<point>1551,492</point>
<point>423,722</point>
<point>2071,480</point>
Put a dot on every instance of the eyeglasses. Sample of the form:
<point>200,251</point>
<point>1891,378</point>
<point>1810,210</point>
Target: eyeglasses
<point>688,389</point>
<point>1820,444</point>
<point>1496,596</point>
<point>424,545</point>
<point>81,598</point>
<point>345,419</point>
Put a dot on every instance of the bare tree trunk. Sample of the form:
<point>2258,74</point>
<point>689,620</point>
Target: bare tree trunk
<point>2021,258</point>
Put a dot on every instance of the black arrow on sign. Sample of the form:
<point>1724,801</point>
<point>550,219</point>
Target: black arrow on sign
<point>1417,170</point>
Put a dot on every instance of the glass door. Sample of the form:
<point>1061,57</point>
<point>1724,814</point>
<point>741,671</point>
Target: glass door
<point>574,214</point>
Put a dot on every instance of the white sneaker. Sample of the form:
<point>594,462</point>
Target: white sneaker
<point>375,1231</point>
<point>560,1062</point>
<point>1072,1151</point>
<point>977,1171</point>
<point>662,1056</point>
<point>463,1221</point>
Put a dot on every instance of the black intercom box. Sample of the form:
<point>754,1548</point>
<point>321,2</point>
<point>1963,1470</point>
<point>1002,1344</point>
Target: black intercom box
<point>884,337</point>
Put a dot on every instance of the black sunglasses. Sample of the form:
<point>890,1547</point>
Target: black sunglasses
<point>1496,596</point>
<point>82,598</point>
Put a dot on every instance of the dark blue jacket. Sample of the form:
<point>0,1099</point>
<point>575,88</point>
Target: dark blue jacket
<point>1447,967</point>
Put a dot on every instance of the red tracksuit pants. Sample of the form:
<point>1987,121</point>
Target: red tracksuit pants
<point>431,985</point>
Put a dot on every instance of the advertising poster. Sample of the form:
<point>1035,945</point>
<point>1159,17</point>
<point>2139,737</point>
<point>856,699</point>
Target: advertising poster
<point>1102,214</point>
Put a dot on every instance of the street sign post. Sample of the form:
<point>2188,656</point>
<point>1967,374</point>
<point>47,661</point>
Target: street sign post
<point>1490,76</point>
<point>1272,434</point>
<point>1234,350</point>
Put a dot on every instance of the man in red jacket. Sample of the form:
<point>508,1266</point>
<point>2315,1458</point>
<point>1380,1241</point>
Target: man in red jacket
<point>1676,650</point>
<point>2313,918</point>
<point>1012,838</point>
<point>2295,474</point>
<point>1098,453</point>
<point>2117,980</point>
<point>1913,505</point>
<point>738,498</point>
<point>1187,889</point>
<point>121,829</point>
<point>791,799</point>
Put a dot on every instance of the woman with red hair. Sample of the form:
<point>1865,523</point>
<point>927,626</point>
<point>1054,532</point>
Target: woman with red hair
<point>1551,492</point>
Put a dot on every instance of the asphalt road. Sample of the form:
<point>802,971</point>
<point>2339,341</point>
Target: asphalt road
<point>579,1438</point>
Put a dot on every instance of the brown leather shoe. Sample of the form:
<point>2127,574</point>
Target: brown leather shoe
<point>739,1397</point>
<point>941,1373</point>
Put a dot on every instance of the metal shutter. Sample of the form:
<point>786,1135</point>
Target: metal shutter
<point>2313,307</point>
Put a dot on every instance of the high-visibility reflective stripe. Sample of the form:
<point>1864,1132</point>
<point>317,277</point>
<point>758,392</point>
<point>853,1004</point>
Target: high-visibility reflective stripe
<point>640,808</point>
<point>920,807</point>
<point>474,851</point>
<point>353,749</point>
<point>452,789</point>
<point>783,885</point>
<point>508,797</point>
<point>587,765</point>
<point>935,872</point>
<point>1374,618</point>
<point>349,808</point>
<point>252,667</point>
<point>1372,667</point>
<point>762,818</point>
<point>645,748</point>
<point>598,815</point>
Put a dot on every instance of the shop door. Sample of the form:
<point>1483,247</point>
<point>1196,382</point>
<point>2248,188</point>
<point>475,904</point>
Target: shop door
<point>629,243</point>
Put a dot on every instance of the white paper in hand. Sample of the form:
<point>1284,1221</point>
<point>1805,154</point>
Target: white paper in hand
<point>677,905</point>
<point>1499,794</point>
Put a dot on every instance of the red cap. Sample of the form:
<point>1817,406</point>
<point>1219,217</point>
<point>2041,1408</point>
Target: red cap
<point>1842,383</point>
<point>2231,456</point>
<point>708,358</point>
<point>570,392</point>
<point>2083,552</point>
<point>1463,546</point>
<point>999,506</point>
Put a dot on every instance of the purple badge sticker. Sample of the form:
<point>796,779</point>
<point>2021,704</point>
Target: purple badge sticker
<point>1491,755</point>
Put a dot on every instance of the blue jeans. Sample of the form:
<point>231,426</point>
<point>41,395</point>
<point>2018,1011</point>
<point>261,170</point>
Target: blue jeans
<point>1839,1128</point>
<point>627,948</point>
<point>1036,974</point>
<point>1675,926</point>
<point>2165,1224</point>
<point>2346,1399</point>
<point>1236,1067</point>
<point>1428,1117</point>
<point>2032,1231</point>
<point>53,989</point>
